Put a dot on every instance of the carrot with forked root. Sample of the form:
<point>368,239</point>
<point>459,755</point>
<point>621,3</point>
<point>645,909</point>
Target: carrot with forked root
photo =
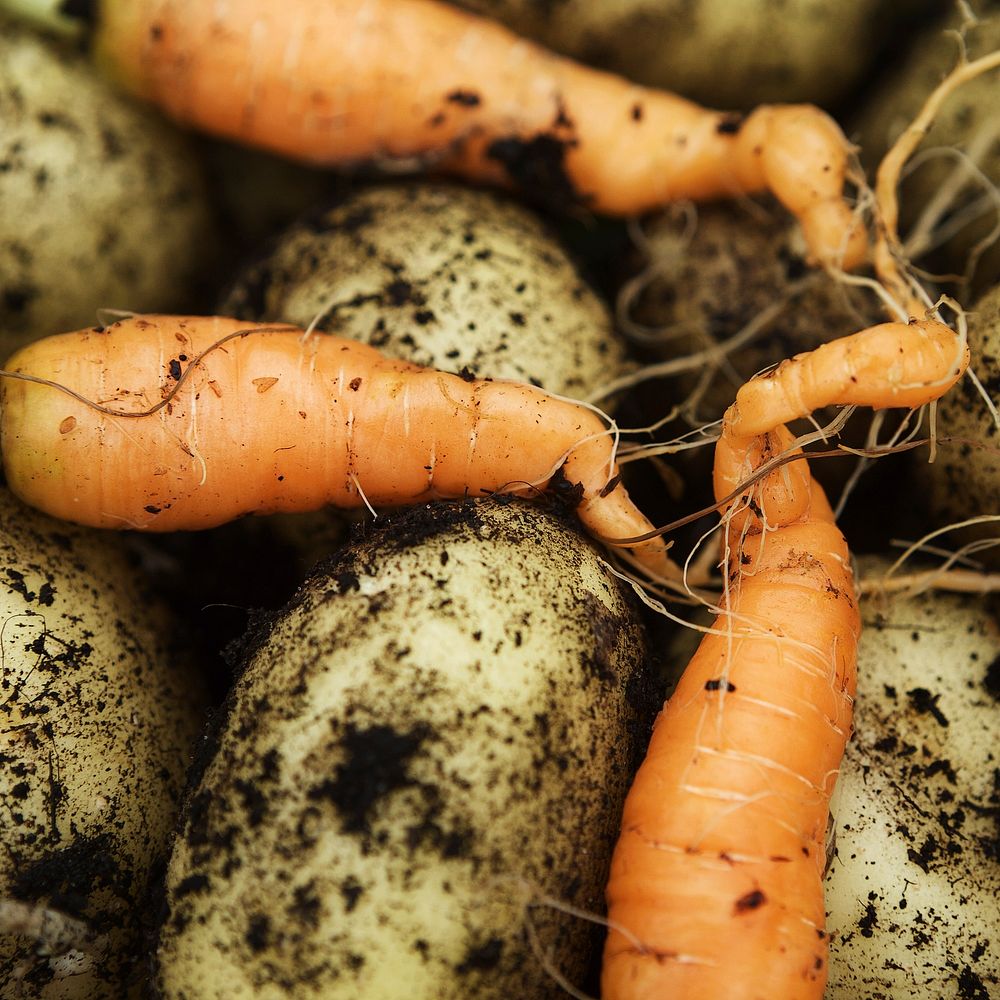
<point>420,83</point>
<point>175,423</point>
<point>716,881</point>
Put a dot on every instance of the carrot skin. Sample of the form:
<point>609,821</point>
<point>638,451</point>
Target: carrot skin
<point>262,419</point>
<point>342,82</point>
<point>715,887</point>
<point>889,365</point>
<point>718,869</point>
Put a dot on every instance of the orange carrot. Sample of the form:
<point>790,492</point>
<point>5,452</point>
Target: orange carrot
<point>419,83</point>
<point>716,881</point>
<point>201,420</point>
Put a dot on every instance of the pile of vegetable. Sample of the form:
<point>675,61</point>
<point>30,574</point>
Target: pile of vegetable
<point>567,569</point>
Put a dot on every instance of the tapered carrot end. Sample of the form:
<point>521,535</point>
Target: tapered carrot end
<point>902,365</point>
<point>612,518</point>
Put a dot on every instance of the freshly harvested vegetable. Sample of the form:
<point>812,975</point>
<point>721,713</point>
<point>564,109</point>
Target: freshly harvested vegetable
<point>716,881</point>
<point>422,760</point>
<point>498,109</point>
<point>443,276</point>
<point>103,205</point>
<point>202,420</point>
<point>99,716</point>
<point>913,886</point>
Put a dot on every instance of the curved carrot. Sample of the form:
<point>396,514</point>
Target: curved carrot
<point>229,418</point>
<point>889,365</point>
<point>418,82</point>
<point>716,881</point>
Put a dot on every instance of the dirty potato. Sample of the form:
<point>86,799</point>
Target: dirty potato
<point>103,205</point>
<point>441,275</point>
<point>425,756</point>
<point>98,723</point>
<point>912,890</point>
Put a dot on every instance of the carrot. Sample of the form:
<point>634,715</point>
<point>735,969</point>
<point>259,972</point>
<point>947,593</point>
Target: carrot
<point>201,420</point>
<point>417,83</point>
<point>715,887</point>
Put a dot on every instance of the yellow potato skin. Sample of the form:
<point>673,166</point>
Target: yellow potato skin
<point>101,711</point>
<point>433,735</point>
<point>914,878</point>
<point>444,276</point>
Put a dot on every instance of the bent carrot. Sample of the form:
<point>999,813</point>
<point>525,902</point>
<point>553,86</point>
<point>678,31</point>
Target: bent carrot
<point>201,420</point>
<point>418,83</point>
<point>716,881</point>
<point>889,365</point>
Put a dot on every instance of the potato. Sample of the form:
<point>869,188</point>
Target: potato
<point>100,717</point>
<point>443,276</point>
<point>436,733</point>
<point>964,481</point>
<point>912,891</point>
<point>723,53</point>
<point>103,202</point>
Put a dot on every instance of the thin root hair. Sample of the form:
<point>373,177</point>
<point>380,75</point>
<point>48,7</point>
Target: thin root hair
<point>764,470</point>
<point>679,591</point>
<point>920,543</point>
<point>364,498</point>
<point>963,556</point>
<point>862,464</point>
<point>658,607</point>
<point>640,451</point>
<point>612,424</point>
<point>932,228</point>
<point>981,389</point>
<point>653,268</point>
<point>710,355</point>
<point>108,317</point>
<point>904,438</point>
<point>942,578</point>
<point>888,254</point>
<point>547,962</point>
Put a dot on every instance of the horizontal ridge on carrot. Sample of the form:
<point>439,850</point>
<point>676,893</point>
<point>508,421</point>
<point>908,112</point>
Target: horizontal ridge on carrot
<point>229,418</point>
<point>419,83</point>
<point>716,881</point>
